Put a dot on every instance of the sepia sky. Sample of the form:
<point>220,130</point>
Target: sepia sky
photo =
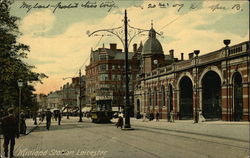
<point>60,46</point>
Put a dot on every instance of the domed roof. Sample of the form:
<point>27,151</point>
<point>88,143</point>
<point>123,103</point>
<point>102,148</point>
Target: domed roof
<point>152,45</point>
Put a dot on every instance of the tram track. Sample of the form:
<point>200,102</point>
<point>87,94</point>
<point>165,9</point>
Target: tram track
<point>192,136</point>
<point>196,137</point>
<point>137,137</point>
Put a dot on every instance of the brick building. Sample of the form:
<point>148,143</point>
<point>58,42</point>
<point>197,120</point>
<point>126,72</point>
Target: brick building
<point>105,82</point>
<point>216,84</point>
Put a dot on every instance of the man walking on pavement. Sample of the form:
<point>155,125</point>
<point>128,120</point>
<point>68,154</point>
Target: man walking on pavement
<point>59,117</point>
<point>157,116</point>
<point>10,131</point>
<point>48,118</point>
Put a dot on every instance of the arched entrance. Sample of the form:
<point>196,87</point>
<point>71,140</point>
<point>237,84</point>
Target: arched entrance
<point>186,98</point>
<point>149,100</point>
<point>155,102</point>
<point>211,95</point>
<point>237,97</point>
<point>138,105</point>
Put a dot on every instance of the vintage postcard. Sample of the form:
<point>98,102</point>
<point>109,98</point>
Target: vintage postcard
<point>124,78</point>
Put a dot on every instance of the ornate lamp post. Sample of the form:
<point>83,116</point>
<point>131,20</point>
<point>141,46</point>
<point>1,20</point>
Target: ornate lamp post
<point>125,34</point>
<point>196,118</point>
<point>20,85</point>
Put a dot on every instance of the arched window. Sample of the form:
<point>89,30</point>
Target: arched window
<point>162,96</point>
<point>149,97</point>
<point>155,97</point>
<point>237,97</point>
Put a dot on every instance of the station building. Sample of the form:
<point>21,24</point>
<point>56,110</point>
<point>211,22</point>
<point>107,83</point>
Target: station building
<point>215,84</point>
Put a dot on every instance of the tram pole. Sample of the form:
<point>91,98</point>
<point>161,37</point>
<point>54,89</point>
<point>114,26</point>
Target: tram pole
<point>127,106</point>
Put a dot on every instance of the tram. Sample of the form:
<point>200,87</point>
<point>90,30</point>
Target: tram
<point>101,112</point>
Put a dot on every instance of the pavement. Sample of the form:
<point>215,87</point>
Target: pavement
<point>31,126</point>
<point>239,131</point>
<point>221,129</point>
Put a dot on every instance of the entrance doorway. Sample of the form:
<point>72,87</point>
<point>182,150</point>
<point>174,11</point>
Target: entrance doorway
<point>186,98</point>
<point>211,95</point>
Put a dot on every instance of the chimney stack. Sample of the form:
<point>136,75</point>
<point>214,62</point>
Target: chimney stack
<point>171,52</point>
<point>182,56</point>
<point>191,55</point>
<point>134,47</point>
<point>112,46</point>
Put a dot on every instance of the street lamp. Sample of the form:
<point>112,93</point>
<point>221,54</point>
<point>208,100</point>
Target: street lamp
<point>227,42</point>
<point>125,34</point>
<point>196,52</point>
<point>20,85</point>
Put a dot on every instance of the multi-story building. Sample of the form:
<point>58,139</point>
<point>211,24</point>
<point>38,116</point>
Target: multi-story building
<point>53,100</point>
<point>105,83</point>
<point>215,84</point>
<point>42,101</point>
<point>71,92</point>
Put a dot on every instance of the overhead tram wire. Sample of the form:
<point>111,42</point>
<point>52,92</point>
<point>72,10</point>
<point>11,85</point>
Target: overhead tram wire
<point>89,56</point>
<point>172,21</point>
<point>94,49</point>
<point>165,26</point>
<point>85,61</point>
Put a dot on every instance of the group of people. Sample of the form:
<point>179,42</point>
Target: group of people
<point>57,115</point>
<point>151,116</point>
<point>11,128</point>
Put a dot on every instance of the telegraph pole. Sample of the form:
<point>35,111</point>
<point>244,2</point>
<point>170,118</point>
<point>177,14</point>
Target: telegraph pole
<point>80,95</point>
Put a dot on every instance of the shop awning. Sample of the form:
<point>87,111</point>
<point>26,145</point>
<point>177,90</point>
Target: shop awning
<point>115,109</point>
<point>86,109</point>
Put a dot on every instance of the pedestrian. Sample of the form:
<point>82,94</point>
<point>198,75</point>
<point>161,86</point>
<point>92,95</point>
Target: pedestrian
<point>168,116</point>
<point>56,115</point>
<point>157,116</point>
<point>119,122</point>
<point>23,126</point>
<point>43,116</point>
<point>59,115</point>
<point>48,118</point>
<point>151,116</point>
<point>171,116</point>
<point>201,117</point>
<point>10,131</point>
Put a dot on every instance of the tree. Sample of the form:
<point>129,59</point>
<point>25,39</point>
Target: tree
<point>12,67</point>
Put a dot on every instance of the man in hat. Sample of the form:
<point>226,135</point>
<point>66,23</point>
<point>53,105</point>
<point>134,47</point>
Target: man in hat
<point>10,131</point>
<point>48,118</point>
